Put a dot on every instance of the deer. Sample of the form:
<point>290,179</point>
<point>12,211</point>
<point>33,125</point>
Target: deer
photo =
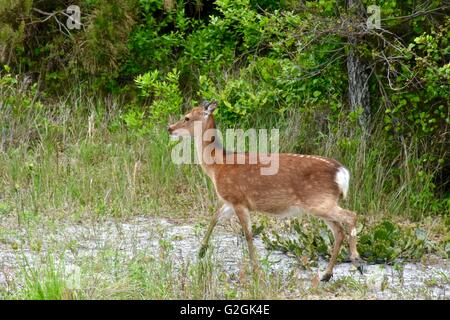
<point>303,183</point>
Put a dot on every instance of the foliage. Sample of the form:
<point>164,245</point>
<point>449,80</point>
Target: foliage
<point>165,99</point>
<point>308,244</point>
<point>383,242</point>
<point>83,116</point>
<point>387,242</point>
<point>37,42</point>
<point>165,95</point>
<point>269,64</point>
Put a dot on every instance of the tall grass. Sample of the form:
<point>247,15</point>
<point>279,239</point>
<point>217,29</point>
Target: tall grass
<point>145,276</point>
<point>76,157</point>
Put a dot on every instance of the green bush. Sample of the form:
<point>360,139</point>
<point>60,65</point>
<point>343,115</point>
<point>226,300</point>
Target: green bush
<point>164,94</point>
<point>269,64</point>
<point>383,242</point>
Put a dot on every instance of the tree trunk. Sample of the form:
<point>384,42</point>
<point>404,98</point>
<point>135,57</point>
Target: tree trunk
<point>358,77</point>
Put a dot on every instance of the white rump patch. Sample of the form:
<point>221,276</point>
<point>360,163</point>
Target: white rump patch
<point>342,179</point>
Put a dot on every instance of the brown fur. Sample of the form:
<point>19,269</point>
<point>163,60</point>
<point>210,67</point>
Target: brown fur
<point>302,183</point>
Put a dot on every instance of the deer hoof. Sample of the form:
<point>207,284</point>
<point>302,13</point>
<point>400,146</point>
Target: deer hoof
<point>360,269</point>
<point>202,252</point>
<point>359,264</point>
<point>326,277</point>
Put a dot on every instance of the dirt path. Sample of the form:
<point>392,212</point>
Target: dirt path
<point>144,234</point>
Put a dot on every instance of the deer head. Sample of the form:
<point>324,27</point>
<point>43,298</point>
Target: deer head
<point>201,114</point>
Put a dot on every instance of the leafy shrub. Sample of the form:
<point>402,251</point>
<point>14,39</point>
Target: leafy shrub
<point>268,63</point>
<point>308,244</point>
<point>38,43</point>
<point>384,242</point>
<point>164,96</point>
<point>105,50</point>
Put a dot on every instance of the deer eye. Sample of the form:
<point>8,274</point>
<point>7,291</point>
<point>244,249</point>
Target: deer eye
<point>186,119</point>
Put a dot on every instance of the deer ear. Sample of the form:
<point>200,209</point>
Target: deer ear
<point>205,104</point>
<point>212,106</point>
<point>209,108</point>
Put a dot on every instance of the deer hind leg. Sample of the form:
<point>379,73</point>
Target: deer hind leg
<point>348,218</point>
<point>338,233</point>
<point>225,211</point>
<point>244,218</point>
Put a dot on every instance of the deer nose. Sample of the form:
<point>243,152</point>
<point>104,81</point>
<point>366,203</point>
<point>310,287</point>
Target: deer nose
<point>169,128</point>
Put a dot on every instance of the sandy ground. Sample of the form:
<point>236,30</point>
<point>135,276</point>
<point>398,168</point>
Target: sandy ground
<point>143,235</point>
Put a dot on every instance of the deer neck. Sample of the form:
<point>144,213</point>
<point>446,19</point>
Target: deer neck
<point>208,147</point>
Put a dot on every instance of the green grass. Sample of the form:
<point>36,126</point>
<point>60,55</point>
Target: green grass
<point>74,160</point>
<point>75,156</point>
<point>64,170</point>
<point>111,275</point>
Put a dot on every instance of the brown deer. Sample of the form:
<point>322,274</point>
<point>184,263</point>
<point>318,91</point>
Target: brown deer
<point>303,183</point>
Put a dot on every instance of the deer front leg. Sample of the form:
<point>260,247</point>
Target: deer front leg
<point>338,233</point>
<point>225,210</point>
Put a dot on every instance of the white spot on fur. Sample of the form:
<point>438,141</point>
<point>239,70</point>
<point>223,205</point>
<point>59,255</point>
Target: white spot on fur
<point>343,179</point>
<point>226,212</point>
<point>321,159</point>
<point>353,232</point>
<point>310,157</point>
